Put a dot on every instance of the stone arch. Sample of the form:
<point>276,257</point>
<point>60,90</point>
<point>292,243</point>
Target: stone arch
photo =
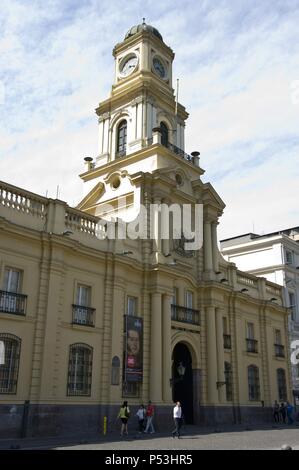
<point>188,340</point>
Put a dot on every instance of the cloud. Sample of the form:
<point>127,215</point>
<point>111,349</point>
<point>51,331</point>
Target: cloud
<point>236,61</point>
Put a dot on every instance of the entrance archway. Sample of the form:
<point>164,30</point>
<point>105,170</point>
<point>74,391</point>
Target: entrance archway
<point>182,383</point>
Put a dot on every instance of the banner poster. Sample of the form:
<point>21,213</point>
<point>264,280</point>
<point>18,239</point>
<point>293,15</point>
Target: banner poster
<point>133,349</point>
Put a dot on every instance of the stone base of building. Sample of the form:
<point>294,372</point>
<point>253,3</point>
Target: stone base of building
<point>88,420</point>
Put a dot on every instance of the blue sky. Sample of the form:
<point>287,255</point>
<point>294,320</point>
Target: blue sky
<point>237,62</point>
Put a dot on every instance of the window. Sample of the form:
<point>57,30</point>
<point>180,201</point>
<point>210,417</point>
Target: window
<point>121,146</point>
<point>189,299</point>
<point>289,257</point>
<point>115,370</point>
<point>282,385</point>
<point>250,331</point>
<point>292,301</point>
<point>253,383</point>
<point>83,296</point>
<point>228,381</point>
<point>164,134</point>
<point>10,369</point>
<point>12,280</point>
<point>80,370</point>
<point>132,306</point>
<point>83,314</point>
<point>175,296</point>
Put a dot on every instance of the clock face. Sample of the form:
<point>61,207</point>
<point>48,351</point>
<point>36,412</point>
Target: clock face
<point>159,68</point>
<point>128,65</point>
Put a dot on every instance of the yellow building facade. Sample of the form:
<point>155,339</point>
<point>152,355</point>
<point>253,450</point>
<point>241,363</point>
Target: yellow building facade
<point>204,333</point>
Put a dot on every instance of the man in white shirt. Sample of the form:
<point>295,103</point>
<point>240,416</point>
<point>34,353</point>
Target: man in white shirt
<point>177,417</point>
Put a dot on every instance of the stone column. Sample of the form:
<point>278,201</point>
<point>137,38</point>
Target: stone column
<point>156,349</point>
<point>215,247</point>
<point>211,356</point>
<point>208,256</point>
<point>166,347</point>
<point>220,354</point>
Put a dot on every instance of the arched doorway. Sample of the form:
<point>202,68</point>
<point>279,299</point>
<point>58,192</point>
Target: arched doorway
<point>182,380</point>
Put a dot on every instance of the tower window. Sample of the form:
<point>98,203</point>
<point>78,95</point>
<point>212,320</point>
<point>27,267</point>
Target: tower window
<point>164,134</point>
<point>121,139</point>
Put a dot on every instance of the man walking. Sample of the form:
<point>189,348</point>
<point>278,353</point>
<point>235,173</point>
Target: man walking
<point>150,411</point>
<point>177,417</point>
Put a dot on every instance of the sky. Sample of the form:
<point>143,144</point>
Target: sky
<point>238,65</point>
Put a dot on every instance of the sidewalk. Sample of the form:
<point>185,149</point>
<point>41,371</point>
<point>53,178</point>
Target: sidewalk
<point>188,430</point>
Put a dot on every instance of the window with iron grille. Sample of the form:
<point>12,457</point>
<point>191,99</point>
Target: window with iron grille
<point>80,370</point>
<point>115,370</point>
<point>121,138</point>
<point>131,389</point>
<point>253,383</point>
<point>10,369</point>
<point>228,381</point>
<point>282,385</point>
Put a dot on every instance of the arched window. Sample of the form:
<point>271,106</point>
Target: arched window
<point>10,369</point>
<point>281,385</point>
<point>80,370</point>
<point>228,381</point>
<point>121,145</point>
<point>164,134</point>
<point>115,370</point>
<point>253,383</point>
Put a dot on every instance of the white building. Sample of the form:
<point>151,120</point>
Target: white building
<point>274,256</point>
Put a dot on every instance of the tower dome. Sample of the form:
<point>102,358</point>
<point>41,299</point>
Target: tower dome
<point>143,27</point>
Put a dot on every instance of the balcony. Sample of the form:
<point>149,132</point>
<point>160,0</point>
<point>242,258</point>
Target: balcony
<point>10,302</point>
<point>185,315</point>
<point>279,350</point>
<point>227,343</point>
<point>83,315</point>
<point>251,345</point>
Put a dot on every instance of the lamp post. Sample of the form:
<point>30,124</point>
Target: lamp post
<point>181,369</point>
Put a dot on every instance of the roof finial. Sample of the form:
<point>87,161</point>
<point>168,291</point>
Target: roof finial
<point>143,20</point>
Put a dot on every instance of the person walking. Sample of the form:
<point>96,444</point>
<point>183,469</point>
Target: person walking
<point>289,409</point>
<point>276,412</point>
<point>178,419</point>
<point>124,415</point>
<point>150,411</point>
<point>282,413</point>
<point>141,418</point>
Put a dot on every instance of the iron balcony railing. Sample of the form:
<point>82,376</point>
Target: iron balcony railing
<point>175,150</point>
<point>279,350</point>
<point>227,343</point>
<point>83,315</point>
<point>185,315</point>
<point>252,345</point>
<point>11,302</point>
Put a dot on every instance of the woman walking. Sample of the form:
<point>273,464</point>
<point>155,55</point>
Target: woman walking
<point>141,417</point>
<point>124,415</point>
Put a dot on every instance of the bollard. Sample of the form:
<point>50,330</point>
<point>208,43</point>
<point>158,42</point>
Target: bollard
<point>105,425</point>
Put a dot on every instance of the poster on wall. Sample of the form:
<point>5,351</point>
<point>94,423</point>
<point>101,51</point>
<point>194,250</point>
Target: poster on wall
<point>133,353</point>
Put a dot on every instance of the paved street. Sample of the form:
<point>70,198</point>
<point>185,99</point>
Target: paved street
<point>194,438</point>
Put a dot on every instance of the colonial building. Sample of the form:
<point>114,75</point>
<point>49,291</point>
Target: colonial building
<point>88,320</point>
<point>274,256</point>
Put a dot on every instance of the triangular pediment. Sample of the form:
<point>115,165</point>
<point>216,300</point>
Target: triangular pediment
<point>92,198</point>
